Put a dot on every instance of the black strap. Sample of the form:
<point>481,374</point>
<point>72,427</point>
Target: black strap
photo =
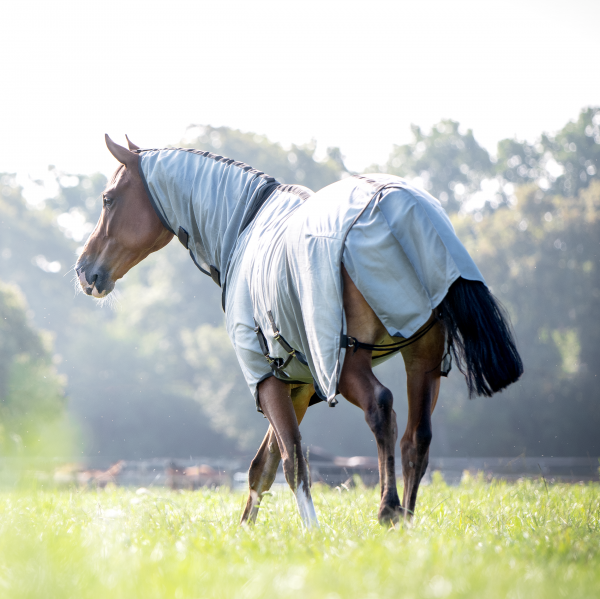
<point>348,342</point>
<point>183,237</point>
<point>263,194</point>
<point>286,346</point>
<point>215,275</point>
<point>277,364</point>
<point>264,348</point>
<point>446,363</point>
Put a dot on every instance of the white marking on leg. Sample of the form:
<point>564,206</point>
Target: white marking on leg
<point>306,507</point>
<point>254,498</point>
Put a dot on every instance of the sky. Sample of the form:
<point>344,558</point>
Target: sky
<point>352,74</point>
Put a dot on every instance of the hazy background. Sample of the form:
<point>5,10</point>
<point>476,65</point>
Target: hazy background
<point>505,133</point>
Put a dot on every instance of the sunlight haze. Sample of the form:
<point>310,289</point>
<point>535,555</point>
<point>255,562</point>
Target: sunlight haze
<point>348,74</point>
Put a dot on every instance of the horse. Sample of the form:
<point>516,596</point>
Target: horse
<point>305,333</point>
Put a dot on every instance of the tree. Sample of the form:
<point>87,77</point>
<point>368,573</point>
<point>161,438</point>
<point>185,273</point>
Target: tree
<point>576,150</point>
<point>296,165</point>
<point>563,163</point>
<point>31,392</point>
<point>447,163</point>
<point>158,376</point>
<point>540,257</point>
<point>138,376</point>
<point>536,241</point>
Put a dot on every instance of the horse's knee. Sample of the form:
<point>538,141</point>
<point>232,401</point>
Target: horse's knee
<point>380,410</point>
<point>424,435</point>
<point>384,399</point>
<point>417,443</point>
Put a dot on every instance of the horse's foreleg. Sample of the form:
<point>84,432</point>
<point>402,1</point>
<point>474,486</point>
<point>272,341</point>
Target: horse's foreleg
<point>276,402</point>
<point>422,360</point>
<point>263,468</point>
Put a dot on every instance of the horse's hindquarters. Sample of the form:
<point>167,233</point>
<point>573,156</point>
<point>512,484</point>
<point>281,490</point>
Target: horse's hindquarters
<point>398,258</point>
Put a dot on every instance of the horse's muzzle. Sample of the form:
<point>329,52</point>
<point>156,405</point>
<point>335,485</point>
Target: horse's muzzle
<point>97,284</point>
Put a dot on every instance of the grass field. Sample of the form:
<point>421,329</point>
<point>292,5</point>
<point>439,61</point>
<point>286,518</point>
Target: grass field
<point>476,540</point>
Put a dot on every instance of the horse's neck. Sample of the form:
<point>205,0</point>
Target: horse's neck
<point>206,196</point>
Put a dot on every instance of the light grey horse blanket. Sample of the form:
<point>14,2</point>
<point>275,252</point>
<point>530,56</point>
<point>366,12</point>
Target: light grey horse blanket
<point>278,250</point>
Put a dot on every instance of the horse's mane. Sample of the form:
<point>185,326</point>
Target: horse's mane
<point>216,157</point>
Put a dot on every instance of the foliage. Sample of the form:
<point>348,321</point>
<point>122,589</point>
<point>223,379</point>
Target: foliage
<point>157,376</point>
<point>34,253</point>
<point>562,164</point>
<point>296,165</point>
<point>454,168</point>
<point>31,392</point>
<point>475,540</point>
<point>219,387</point>
<point>447,163</point>
<point>536,243</point>
<point>137,383</point>
<point>540,256</point>
<point>576,149</point>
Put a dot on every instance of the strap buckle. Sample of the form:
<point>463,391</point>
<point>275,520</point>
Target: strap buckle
<point>277,364</point>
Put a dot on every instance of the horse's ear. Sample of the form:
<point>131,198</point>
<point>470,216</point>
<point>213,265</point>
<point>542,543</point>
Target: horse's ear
<point>123,155</point>
<point>131,145</point>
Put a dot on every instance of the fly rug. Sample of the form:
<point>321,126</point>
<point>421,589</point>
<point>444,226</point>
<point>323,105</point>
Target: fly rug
<point>317,289</point>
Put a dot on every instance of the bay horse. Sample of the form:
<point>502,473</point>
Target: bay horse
<point>259,241</point>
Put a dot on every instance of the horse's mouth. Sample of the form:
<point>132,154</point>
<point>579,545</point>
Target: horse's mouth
<point>92,289</point>
<point>95,293</point>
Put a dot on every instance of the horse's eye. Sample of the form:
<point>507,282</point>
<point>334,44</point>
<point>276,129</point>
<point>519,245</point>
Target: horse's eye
<point>106,201</point>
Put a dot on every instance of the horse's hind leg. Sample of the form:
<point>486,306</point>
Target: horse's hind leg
<point>423,362</point>
<point>359,386</point>
<point>261,474</point>
<point>263,468</point>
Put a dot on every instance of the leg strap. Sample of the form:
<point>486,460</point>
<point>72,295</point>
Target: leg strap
<point>348,342</point>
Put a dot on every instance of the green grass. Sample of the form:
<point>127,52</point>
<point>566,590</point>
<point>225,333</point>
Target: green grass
<point>476,540</point>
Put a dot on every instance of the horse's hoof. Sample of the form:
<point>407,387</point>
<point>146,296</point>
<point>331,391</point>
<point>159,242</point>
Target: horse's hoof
<point>390,515</point>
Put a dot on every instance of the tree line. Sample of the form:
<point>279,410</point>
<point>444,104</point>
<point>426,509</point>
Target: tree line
<point>158,376</point>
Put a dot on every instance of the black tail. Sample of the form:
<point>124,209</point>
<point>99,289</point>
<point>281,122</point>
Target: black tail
<point>480,337</point>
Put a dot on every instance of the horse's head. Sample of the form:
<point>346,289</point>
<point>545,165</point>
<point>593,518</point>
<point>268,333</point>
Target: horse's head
<point>128,229</point>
